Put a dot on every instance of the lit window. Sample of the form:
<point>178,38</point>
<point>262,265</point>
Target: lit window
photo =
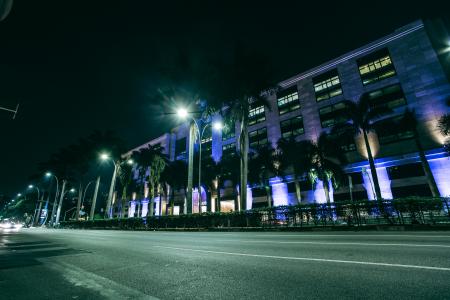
<point>256,115</point>
<point>376,66</point>
<point>391,96</point>
<point>288,101</point>
<point>327,85</point>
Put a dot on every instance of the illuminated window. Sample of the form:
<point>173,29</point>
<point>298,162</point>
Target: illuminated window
<point>333,114</point>
<point>391,96</point>
<point>292,127</point>
<point>327,85</point>
<point>256,115</point>
<point>258,137</point>
<point>376,66</point>
<point>287,100</point>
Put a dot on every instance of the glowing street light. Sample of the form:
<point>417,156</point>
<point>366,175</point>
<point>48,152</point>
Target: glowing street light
<point>182,113</point>
<point>19,195</point>
<point>104,156</point>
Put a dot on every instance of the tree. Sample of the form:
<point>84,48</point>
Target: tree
<point>228,169</point>
<point>125,175</point>
<point>361,116</point>
<point>295,159</point>
<point>409,122</point>
<point>326,159</point>
<point>263,165</point>
<point>444,128</point>
<point>175,175</point>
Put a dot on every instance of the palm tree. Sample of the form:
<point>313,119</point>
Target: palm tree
<point>262,165</point>
<point>444,128</point>
<point>409,122</point>
<point>125,174</point>
<point>361,116</point>
<point>228,169</point>
<point>326,159</point>
<point>295,158</point>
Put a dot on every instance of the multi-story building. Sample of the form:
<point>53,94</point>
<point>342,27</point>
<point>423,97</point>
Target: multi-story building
<point>399,71</point>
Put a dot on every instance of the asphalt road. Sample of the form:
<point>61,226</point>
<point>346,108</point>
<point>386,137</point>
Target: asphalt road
<point>75,264</point>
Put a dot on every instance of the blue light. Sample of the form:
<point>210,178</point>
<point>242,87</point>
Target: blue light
<point>441,171</point>
<point>279,192</point>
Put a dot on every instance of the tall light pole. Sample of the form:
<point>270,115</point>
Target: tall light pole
<point>63,193</point>
<point>94,199</point>
<point>38,204</point>
<point>105,157</point>
<point>49,174</point>
<point>194,129</point>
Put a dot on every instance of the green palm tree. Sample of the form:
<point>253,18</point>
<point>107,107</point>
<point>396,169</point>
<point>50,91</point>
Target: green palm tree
<point>361,117</point>
<point>326,160</point>
<point>409,122</point>
<point>295,159</point>
<point>262,166</point>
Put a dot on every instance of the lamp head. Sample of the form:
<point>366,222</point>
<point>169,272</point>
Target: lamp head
<point>104,156</point>
<point>182,113</point>
<point>217,126</point>
<point>48,174</point>
<point>31,186</point>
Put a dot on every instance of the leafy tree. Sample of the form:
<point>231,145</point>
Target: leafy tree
<point>174,175</point>
<point>295,158</point>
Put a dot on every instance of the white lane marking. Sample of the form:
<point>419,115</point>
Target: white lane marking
<point>310,259</point>
<point>104,286</point>
<point>338,243</point>
<point>351,235</point>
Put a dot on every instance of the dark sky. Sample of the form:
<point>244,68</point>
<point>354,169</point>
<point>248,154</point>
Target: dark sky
<point>76,66</point>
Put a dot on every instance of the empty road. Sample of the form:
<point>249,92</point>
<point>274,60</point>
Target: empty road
<point>75,264</point>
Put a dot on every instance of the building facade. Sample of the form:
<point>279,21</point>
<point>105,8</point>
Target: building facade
<point>399,71</point>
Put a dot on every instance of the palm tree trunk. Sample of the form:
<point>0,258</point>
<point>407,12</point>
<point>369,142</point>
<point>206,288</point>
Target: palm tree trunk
<point>373,170</point>
<point>426,167</point>
<point>218,196</point>
<point>298,192</point>
<point>268,195</point>
<point>243,138</point>
<point>326,190</point>
<point>150,202</point>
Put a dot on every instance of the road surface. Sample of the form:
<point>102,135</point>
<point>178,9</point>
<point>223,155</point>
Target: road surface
<point>75,264</point>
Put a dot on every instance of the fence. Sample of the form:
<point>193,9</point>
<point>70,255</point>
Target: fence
<point>411,210</point>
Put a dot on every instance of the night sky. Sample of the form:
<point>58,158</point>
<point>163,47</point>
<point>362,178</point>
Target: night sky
<point>76,66</point>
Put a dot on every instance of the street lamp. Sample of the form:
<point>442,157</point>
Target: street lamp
<point>38,205</point>
<point>48,175</point>
<point>106,157</point>
<point>183,114</point>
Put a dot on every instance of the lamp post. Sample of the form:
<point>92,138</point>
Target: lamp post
<point>38,204</point>
<point>105,157</point>
<point>49,174</point>
<point>194,129</point>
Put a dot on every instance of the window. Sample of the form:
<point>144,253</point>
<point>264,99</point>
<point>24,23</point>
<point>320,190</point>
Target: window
<point>391,96</point>
<point>229,149</point>
<point>207,141</point>
<point>357,178</point>
<point>390,131</point>
<point>327,85</point>
<point>258,137</point>
<point>287,100</point>
<point>405,171</point>
<point>292,127</point>
<point>376,66</point>
<point>180,147</point>
<point>256,115</point>
<point>345,140</point>
<point>333,114</point>
<point>305,185</point>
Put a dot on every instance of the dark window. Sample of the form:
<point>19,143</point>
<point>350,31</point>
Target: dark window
<point>333,114</point>
<point>305,185</point>
<point>258,137</point>
<point>376,66</point>
<point>420,190</point>
<point>180,147</point>
<point>229,149</point>
<point>292,127</point>
<point>405,171</point>
<point>259,192</point>
<point>357,178</point>
<point>391,97</point>
<point>327,85</point>
<point>287,100</point>
<point>345,140</point>
<point>390,131</point>
<point>256,115</point>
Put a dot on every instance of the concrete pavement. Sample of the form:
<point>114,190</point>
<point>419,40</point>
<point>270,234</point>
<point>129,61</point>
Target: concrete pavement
<point>91,264</point>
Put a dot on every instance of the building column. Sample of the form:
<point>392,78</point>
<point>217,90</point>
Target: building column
<point>440,168</point>
<point>383,180</point>
<point>279,192</point>
<point>319,193</point>
<point>144,208</point>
